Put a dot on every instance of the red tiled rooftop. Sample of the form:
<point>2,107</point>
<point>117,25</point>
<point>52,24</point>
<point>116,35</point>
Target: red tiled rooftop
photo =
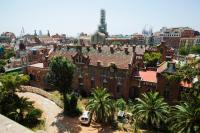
<point>149,76</point>
<point>186,84</point>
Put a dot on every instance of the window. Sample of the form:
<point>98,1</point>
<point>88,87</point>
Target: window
<point>166,93</point>
<point>79,60</point>
<point>80,80</point>
<point>105,82</point>
<point>34,52</point>
<point>119,85</point>
<point>32,77</point>
<point>92,82</point>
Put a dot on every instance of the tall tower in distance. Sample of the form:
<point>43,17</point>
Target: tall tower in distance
<point>103,26</point>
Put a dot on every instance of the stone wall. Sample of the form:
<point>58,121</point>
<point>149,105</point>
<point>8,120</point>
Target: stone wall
<point>9,126</point>
<point>42,93</point>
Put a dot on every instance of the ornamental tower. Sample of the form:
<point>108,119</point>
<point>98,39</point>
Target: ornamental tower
<point>103,26</point>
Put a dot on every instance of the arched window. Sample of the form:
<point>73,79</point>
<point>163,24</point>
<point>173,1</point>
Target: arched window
<point>105,82</point>
<point>119,87</point>
<point>79,60</point>
<point>93,82</point>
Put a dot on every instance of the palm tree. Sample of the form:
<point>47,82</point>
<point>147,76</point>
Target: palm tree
<point>151,110</point>
<point>185,118</point>
<point>101,105</point>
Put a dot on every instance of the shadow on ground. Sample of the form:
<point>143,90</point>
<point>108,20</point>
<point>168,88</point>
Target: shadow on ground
<point>72,125</point>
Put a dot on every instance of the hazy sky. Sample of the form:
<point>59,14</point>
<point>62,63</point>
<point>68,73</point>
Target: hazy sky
<point>74,16</point>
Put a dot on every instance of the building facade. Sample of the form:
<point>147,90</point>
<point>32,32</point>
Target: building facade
<point>120,69</point>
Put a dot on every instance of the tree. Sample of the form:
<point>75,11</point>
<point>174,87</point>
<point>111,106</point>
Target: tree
<point>185,118</point>
<point>101,105</point>
<point>151,110</point>
<point>13,106</point>
<point>2,64</point>
<point>195,49</point>
<point>60,75</point>
<point>152,58</point>
<point>12,81</point>
<point>9,53</point>
<point>121,104</point>
<point>184,51</point>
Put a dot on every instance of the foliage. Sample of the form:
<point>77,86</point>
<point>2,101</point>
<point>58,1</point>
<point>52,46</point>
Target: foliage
<point>13,81</point>
<point>185,73</point>
<point>190,50</point>
<point>152,58</point>
<point>151,110</point>
<point>184,51</point>
<point>195,49</point>
<point>9,53</point>
<point>101,105</point>
<point>60,75</point>
<point>185,118</point>
<point>2,69</point>
<point>71,104</point>
<point>121,104</point>
<point>17,108</point>
<point>116,43</point>
<point>2,64</point>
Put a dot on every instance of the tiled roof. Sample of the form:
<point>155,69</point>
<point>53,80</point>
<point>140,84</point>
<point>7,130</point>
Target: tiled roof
<point>119,57</point>
<point>186,84</point>
<point>149,76</point>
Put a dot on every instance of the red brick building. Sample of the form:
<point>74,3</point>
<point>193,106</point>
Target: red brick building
<point>120,69</point>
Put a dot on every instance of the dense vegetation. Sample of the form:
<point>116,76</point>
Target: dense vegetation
<point>5,54</point>
<point>186,50</point>
<point>19,109</point>
<point>151,59</point>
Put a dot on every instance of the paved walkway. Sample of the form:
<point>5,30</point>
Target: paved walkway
<point>50,111</point>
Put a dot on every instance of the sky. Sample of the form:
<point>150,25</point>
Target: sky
<point>72,17</point>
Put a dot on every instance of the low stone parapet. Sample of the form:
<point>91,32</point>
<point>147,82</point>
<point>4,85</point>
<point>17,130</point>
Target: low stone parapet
<point>42,93</point>
<point>9,126</point>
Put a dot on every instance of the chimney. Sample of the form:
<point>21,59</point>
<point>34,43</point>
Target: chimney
<point>94,46</point>
<point>129,66</point>
<point>126,50</point>
<point>88,48</point>
<point>68,48</point>
<point>54,47</point>
<point>99,49</point>
<point>99,63</point>
<point>45,63</point>
<point>163,42</point>
<point>133,48</point>
<point>112,49</point>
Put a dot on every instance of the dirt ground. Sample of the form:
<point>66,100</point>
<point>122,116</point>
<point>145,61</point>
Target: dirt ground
<point>56,123</point>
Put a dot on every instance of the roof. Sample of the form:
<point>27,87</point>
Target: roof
<point>119,57</point>
<point>39,65</point>
<point>149,76</point>
<point>186,84</point>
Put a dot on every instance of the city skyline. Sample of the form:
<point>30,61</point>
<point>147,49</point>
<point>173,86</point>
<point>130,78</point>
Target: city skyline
<point>74,17</point>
